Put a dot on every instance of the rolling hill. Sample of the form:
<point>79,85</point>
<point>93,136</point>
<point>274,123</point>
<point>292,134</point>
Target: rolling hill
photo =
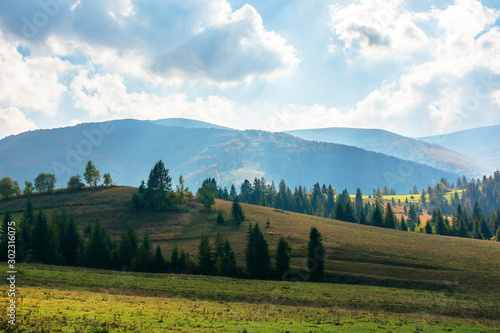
<point>128,149</point>
<point>355,254</point>
<point>443,157</point>
<point>481,143</point>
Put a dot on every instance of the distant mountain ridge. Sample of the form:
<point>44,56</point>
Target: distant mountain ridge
<point>481,143</point>
<point>128,149</point>
<point>399,146</point>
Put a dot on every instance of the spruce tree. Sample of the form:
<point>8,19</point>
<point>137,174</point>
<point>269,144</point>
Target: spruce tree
<point>71,243</point>
<point>127,253</point>
<point>206,264</point>
<point>403,225</point>
<point>207,197</point>
<point>339,211</point>
<point>53,253</point>
<point>389,217</point>
<point>99,252</point>
<point>282,258</point>
<point>377,218</point>
<point>257,254</point>
<point>220,218</point>
<point>158,264</point>
<point>358,202</point>
<point>27,224</point>
<point>229,268</point>
<point>428,227</point>
<point>349,213</point>
<point>440,226</point>
<point>362,217</point>
<point>144,256</point>
<point>316,256</point>
<point>40,237</point>
<point>174,260</point>
<point>237,212</point>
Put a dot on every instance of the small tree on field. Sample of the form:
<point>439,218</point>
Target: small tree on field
<point>207,197</point>
<point>316,256</point>
<point>282,258</point>
<point>91,174</point>
<point>75,183</point>
<point>220,218</point>
<point>237,212</point>
<point>107,179</point>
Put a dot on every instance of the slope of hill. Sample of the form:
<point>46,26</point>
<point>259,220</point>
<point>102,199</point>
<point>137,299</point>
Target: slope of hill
<point>481,143</point>
<point>402,147</point>
<point>129,148</point>
<point>357,254</point>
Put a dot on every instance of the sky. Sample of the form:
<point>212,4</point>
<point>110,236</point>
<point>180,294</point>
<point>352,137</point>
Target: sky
<point>415,67</point>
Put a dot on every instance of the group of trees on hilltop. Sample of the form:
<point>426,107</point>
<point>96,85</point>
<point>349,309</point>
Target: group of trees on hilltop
<point>46,182</point>
<point>157,193</point>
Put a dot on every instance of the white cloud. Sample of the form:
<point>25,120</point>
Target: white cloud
<point>377,28</point>
<point>495,97</point>
<point>13,121</point>
<point>106,97</point>
<point>31,83</point>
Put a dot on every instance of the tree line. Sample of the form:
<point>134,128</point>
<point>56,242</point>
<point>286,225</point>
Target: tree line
<point>56,240</point>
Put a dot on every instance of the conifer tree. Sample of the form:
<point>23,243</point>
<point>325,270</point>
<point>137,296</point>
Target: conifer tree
<point>27,223</point>
<point>127,252</point>
<point>282,258</point>
<point>440,226</point>
<point>362,217</point>
<point>40,235</point>
<point>229,267</point>
<point>358,201</point>
<point>158,264</point>
<point>349,213</point>
<point>403,225</point>
<point>205,257</point>
<point>174,260</point>
<point>71,243</point>
<point>339,211</point>
<point>389,219</point>
<point>207,197</point>
<point>377,218</point>
<point>428,227</point>
<point>53,253</point>
<point>220,218</point>
<point>237,212</point>
<point>257,254</point>
<point>158,185</point>
<point>316,256</point>
<point>4,240</point>
<point>144,256</point>
<point>99,252</point>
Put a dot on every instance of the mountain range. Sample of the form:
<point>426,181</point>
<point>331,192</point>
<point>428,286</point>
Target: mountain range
<point>129,148</point>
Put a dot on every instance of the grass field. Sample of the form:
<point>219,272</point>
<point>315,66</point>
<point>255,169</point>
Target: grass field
<point>356,254</point>
<point>63,299</point>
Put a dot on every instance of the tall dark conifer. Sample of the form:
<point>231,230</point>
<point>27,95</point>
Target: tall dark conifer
<point>315,256</point>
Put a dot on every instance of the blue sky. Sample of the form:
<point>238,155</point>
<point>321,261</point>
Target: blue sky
<point>416,68</point>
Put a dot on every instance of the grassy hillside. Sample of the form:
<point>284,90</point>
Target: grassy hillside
<point>356,254</point>
<point>63,299</point>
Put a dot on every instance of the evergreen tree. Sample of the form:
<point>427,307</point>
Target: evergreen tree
<point>358,203</point>
<point>207,197</point>
<point>40,237</point>
<point>349,213</point>
<point>127,252</point>
<point>53,253</point>
<point>71,243</point>
<point>377,218</point>
<point>232,193</point>
<point>229,267</point>
<point>282,258</point>
<point>440,226</point>
<point>158,264</point>
<point>257,254</point>
<point>476,232</point>
<point>316,256</point>
<point>362,217</point>
<point>220,218</point>
<point>205,259</point>
<point>99,252</point>
<point>389,219</point>
<point>339,211</point>
<point>174,261</point>
<point>403,225</point>
<point>158,185</point>
<point>485,230</point>
<point>428,227</point>
<point>144,256</point>
<point>237,212</point>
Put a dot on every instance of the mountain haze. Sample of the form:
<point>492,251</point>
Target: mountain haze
<point>128,149</point>
<point>481,143</point>
<point>406,148</point>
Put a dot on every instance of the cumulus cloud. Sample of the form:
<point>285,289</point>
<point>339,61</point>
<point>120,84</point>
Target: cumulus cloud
<point>31,83</point>
<point>377,28</point>
<point>448,89</point>
<point>195,39</point>
<point>106,97</point>
<point>13,121</point>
